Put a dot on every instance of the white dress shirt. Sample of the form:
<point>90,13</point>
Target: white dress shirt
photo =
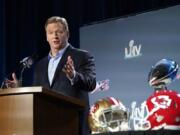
<point>53,63</point>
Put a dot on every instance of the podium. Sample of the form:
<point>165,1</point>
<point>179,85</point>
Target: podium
<point>38,111</point>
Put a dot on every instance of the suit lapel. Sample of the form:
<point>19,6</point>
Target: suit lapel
<point>61,63</point>
<point>46,73</point>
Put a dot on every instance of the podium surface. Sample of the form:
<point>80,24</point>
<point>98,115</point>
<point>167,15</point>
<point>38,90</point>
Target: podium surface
<point>38,111</point>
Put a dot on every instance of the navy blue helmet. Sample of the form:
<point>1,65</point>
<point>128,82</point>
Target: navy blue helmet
<point>163,72</point>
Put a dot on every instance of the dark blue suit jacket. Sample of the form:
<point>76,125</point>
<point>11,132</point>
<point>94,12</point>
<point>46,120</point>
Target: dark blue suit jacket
<point>84,81</point>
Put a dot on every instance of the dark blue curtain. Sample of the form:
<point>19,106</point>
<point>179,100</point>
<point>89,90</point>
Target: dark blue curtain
<point>2,41</point>
<point>22,24</point>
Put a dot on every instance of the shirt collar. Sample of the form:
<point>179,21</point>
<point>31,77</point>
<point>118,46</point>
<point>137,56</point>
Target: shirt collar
<point>59,54</point>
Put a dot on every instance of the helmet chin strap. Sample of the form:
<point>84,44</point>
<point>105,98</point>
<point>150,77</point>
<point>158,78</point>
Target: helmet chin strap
<point>160,87</point>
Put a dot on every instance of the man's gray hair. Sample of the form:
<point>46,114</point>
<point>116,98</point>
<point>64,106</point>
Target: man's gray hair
<point>57,19</point>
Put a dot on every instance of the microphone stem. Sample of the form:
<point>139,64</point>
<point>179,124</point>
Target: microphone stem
<point>21,76</point>
<point>2,84</point>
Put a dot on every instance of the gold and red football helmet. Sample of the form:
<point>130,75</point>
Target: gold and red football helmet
<point>108,115</point>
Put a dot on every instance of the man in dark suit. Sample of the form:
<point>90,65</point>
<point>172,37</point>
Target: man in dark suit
<point>66,69</point>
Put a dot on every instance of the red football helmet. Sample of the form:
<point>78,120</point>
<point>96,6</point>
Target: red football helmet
<point>163,111</point>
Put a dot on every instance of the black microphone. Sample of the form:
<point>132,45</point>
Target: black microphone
<point>27,62</point>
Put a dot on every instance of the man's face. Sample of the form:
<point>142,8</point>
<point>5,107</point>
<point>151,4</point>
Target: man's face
<point>56,35</point>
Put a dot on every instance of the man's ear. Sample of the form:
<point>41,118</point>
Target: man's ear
<point>47,38</point>
<point>46,34</point>
<point>68,34</point>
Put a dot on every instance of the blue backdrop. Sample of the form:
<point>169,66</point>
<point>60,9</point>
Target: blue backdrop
<point>125,49</point>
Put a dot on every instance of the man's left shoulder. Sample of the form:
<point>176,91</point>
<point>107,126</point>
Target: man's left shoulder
<point>81,52</point>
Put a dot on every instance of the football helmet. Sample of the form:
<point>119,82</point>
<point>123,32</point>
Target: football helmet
<point>163,111</point>
<point>108,115</point>
<point>162,73</point>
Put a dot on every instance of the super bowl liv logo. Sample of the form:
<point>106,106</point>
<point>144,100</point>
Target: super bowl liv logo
<point>133,50</point>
